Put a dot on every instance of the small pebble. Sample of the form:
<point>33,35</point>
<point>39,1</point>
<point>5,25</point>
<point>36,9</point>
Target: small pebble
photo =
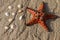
<point>6,27</point>
<point>19,6</point>
<point>7,14</point>
<point>12,26</point>
<point>20,17</point>
<point>9,7</point>
<point>13,13</point>
<point>10,19</point>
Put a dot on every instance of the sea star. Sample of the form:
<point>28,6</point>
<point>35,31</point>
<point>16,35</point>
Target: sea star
<point>40,17</point>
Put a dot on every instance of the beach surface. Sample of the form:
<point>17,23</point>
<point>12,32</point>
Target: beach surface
<point>15,29</point>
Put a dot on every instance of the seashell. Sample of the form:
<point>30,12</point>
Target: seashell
<point>6,27</point>
<point>12,26</point>
<point>20,17</point>
<point>19,6</point>
<point>10,19</point>
<point>9,7</point>
<point>7,14</point>
<point>13,13</point>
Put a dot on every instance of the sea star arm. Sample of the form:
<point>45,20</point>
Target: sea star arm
<point>41,7</point>
<point>50,16</point>
<point>31,22</point>
<point>31,10</point>
<point>43,24</point>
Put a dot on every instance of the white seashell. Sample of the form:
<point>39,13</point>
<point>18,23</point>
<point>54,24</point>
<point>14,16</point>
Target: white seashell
<point>12,26</point>
<point>9,7</point>
<point>13,13</point>
<point>19,6</point>
<point>19,11</point>
<point>20,17</point>
<point>7,14</point>
<point>6,27</point>
<point>10,19</point>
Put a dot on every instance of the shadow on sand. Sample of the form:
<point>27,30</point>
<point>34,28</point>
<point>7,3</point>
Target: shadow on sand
<point>46,10</point>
